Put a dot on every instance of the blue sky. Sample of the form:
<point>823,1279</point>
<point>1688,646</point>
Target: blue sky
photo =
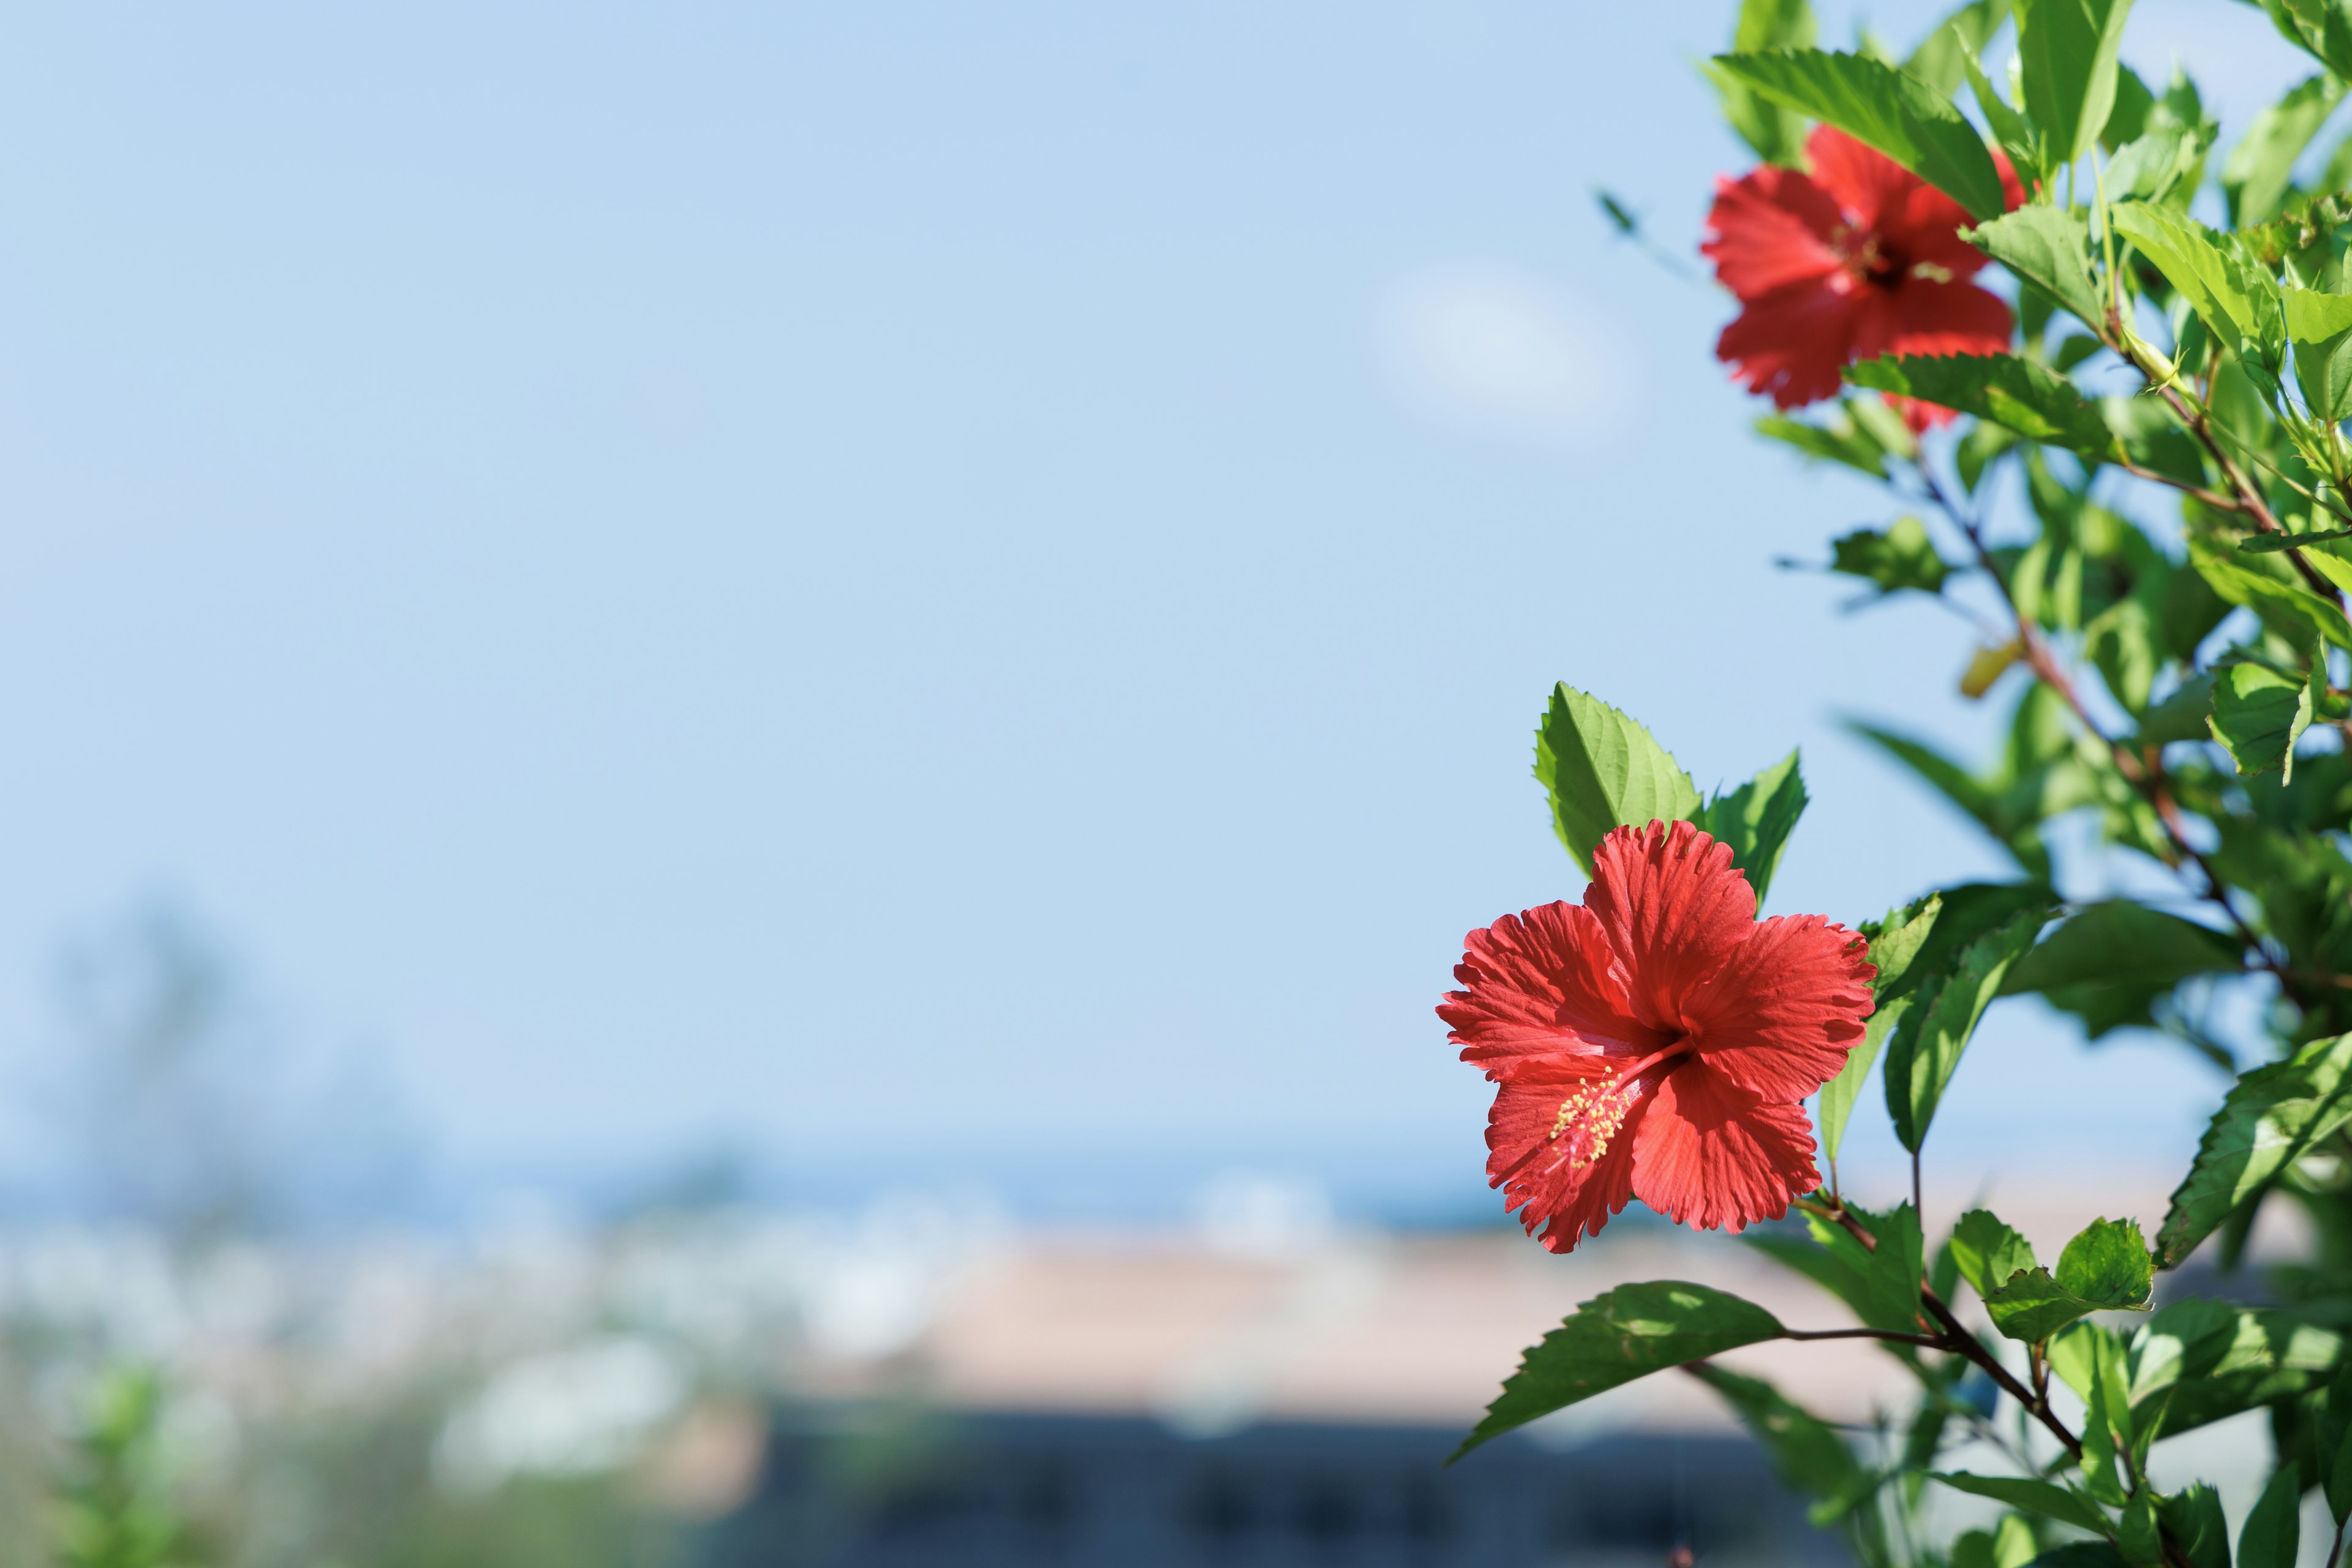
<point>927,592</point>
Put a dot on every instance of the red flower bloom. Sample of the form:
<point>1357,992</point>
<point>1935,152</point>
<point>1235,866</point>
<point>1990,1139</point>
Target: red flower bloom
<point>1859,258</point>
<point>1656,1041</point>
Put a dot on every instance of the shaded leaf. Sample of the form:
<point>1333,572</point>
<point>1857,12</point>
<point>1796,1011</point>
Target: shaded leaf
<point>1807,1454</point>
<point>1924,1049</point>
<point>2235,298</point>
<point>2272,1116</point>
<point>1989,1252</point>
<point>1756,818</point>
<point>1777,133</point>
<point>2109,961</point>
<point>2032,399</point>
<point>2273,1530</point>
<point>2106,1268</point>
<point>1901,557</point>
<point>2258,716</point>
<point>1617,1337</point>
<point>2045,1497</point>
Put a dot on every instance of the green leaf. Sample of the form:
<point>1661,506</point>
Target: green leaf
<point>1941,59</point>
<point>1902,557</point>
<point>2263,1358</point>
<point>2110,961</point>
<point>2045,1497</point>
<point>2271,1117</point>
<point>1777,134</point>
<point>1894,943</point>
<point>1617,1337</point>
<point>2032,399</point>
<point>2008,127</point>
<point>2274,1529</point>
<point>1989,1254</point>
<point>2276,596</point>
<point>2154,164</point>
<point>2066,58</point>
<point>1838,439</point>
<point>2231,294</point>
<point>1925,1046</point>
<point>1604,772</point>
<point>1756,818</point>
<point>2340,1483</point>
<point>2193,1517</point>
<point>2181,716</point>
<point>2319,27</point>
<point>1890,110</point>
<point>1807,1454</point>
<point>2320,326</point>
<point>2273,543</point>
<point>2259,715</point>
<point>2256,177</point>
<point>2106,1268</point>
<point>2048,247</point>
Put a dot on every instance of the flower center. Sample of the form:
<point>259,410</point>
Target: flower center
<point>1601,1108</point>
<point>1867,257</point>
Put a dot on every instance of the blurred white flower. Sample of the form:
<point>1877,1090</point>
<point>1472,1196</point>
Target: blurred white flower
<point>592,1407</point>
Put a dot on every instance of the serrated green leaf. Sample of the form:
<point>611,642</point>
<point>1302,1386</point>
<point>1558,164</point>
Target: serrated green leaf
<point>2194,1519</point>
<point>2258,716</point>
<point>1894,943</point>
<point>2154,164</point>
<point>1925,1050</point>
<point>2032,399</point>
<point>2104,1270</point>
<point>1989,1252</point>
<point>2045,1497</point>
<point>1604,772</point>
<point>2066,66</point>
<point>2320,326</point>
<point>1756,818</point>
<point>1890,110</point>
<point>2110,961</point>
<point>2010,129</point>
<point>2276,596</point>
<point>2340,1483</point>
<point>2261,1357</point>
<point>1617,1337</point>
<point>2233,295</point>
<point>2048,247</point>
<point>1901,557</point>
<point>2271,1116</point>
<point>2273,543</point>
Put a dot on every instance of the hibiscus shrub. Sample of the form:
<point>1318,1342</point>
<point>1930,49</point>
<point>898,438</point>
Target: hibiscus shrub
<point>2119,425</point>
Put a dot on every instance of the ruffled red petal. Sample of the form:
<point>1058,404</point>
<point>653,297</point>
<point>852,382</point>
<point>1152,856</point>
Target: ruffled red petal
<point>1776,1018</point>
<point>1933,318</point>
<point>1674,909</point>
<point>1707,1156</point>
<point>1769,229</point>
<point>1541,983</point>
<point>1565,1173</point>
<point>1791,344</point>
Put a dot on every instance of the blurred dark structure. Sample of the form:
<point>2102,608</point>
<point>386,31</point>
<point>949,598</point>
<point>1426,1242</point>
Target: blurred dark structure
<point>1123,1492</point>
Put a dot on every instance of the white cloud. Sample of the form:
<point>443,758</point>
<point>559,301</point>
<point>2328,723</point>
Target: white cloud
<point>1492,352</point>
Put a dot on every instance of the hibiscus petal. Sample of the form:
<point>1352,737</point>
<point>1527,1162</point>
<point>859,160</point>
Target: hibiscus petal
<point>1674,908</point>
<point>1930,317</point>
<point>1793,343</point>
<point>1540,983</point>
<point>1770,229</point>
<point>1871,186</point>
<point>1707,1155</point>
<point>1553,1177</point>
<point>1776,1018</point>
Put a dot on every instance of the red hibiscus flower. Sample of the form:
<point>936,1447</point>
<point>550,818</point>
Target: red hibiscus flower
<point>1656,1041</point>
<point>1861,257</point>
